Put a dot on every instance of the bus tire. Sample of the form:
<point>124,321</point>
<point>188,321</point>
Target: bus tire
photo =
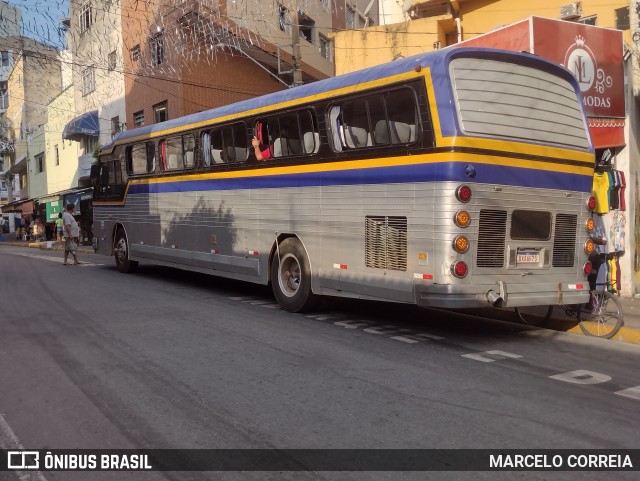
<point>291,277</point>
<point>121,253</point>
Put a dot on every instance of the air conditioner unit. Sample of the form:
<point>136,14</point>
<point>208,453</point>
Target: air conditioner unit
<point>570,11</point>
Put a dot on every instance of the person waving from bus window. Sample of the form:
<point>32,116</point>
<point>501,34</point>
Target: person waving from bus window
<point>257,142</point>
<point>260,154</point>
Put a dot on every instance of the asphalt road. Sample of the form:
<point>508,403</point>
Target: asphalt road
<point>91,358</point>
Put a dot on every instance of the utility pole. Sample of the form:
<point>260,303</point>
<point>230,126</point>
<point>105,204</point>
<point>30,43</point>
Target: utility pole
<point>295,40</point>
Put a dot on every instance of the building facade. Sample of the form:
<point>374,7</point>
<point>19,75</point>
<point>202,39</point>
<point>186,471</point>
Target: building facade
<point>34,81</point>
<point>190,56</point>
<point>94,40</point>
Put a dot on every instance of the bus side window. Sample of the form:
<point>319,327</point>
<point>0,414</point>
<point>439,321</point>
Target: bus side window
<point>336,132</point>
<point>310,136</point>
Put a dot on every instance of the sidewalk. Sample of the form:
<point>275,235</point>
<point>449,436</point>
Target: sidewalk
<point>9,240</point>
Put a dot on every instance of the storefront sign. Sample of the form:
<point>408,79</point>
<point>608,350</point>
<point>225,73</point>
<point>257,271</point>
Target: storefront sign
<point>53,208</point>
<point>592,54</point>
<point>73,199</point>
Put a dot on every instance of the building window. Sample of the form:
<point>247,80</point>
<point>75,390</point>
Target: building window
<point>135,53</point>
<point>160,113</point>
<point>157,50</point>
<point>115,126</point>
<point>588,20</point>
<point>138,119</point>
<point>88,81</point>
<point>39,163</point>
<point>4,95</point>
<point>351,18</point>
<point>88,143</point>
<point>85,18</point>
<point>307,28</point>
<point>112,60</point>
<point>282,18</point>
<point>4,59</point>
<point>325,48</point>
<point>57,154</point>
<point>622,18</point>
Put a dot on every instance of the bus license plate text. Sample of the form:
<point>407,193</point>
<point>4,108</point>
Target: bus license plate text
<point>528,258</point>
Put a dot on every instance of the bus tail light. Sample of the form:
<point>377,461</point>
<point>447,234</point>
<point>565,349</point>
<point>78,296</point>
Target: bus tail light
<point>587,268</point>
<point>462,218</point>
<point>463,193</point>
<point>590,224</point>
<point>591,203</point>
<point>589,246</point>
<point>461,244</point>
<point>459,269</point>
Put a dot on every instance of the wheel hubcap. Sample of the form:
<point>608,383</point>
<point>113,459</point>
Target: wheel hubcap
<point>289,278</point>
<point>121,250</point>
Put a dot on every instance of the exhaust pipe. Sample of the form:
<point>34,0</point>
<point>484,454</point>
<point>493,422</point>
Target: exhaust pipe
<point>494,299</point>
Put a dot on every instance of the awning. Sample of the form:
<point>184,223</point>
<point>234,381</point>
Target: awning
<point>606,132</point>
<point>85,124</point>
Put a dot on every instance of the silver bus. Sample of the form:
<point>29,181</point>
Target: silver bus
<point>451,179</point>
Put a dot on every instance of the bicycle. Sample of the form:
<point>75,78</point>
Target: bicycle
<point>602,316</point>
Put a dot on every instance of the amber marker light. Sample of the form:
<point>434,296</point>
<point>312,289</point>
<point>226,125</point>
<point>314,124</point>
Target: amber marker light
<point>461,244</point>
<point>463,193</point>
<point>590,224</point>
<point>462,218</point>
<point>459,269</point>
<point>589,246</point>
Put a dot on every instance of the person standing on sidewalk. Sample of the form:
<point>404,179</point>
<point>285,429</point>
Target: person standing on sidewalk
<point>59,227</point>
<point>72,233</point>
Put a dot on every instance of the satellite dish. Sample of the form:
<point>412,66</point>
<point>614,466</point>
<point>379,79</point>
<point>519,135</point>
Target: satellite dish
<point>407,5</point>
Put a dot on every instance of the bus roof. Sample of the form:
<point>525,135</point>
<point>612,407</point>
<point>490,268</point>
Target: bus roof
<point>437,61</point>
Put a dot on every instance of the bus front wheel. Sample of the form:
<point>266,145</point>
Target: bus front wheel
<point>291,277</point>
<point>121,253</point>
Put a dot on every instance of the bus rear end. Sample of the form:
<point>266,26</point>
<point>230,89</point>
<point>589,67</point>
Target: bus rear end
<point>513,208</point>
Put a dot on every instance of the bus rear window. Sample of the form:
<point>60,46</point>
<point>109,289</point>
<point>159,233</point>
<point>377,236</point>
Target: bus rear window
<point>530,225</point>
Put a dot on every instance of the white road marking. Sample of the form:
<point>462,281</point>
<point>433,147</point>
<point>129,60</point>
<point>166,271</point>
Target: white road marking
<point>582,377</point>
<point>351,324</point>
<point>632,392</point>
<point>415,338</point>
<point>9,440</point>
<point>495,356</point>
<point>321,317</point>
<point>388,329</point>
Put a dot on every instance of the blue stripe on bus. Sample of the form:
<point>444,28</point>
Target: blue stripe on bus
<point>437,172</point>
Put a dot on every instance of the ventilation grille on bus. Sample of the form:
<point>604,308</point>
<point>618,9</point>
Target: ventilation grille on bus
<point>386,242</point>
<point>491,235</point>
<point>564,242</point>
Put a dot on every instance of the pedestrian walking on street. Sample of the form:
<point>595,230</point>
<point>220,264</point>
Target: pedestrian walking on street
<point>72,234</point>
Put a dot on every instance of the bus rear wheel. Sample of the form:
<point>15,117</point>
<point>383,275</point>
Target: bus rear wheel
<point>121,253</point>
<point>291,277</point>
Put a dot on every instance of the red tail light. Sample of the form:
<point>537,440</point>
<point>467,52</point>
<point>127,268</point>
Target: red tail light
<point>587,268</point>
<point>459,269</point>
<point>463,193</point>
<point>591,203</point>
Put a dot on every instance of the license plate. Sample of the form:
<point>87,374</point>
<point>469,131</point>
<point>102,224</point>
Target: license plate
<point>528,257</point>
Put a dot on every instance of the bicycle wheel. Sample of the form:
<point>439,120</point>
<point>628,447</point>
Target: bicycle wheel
<point>534,315</point>
<point>604,319</point>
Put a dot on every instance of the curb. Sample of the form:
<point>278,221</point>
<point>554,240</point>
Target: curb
<point>43,246</point>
